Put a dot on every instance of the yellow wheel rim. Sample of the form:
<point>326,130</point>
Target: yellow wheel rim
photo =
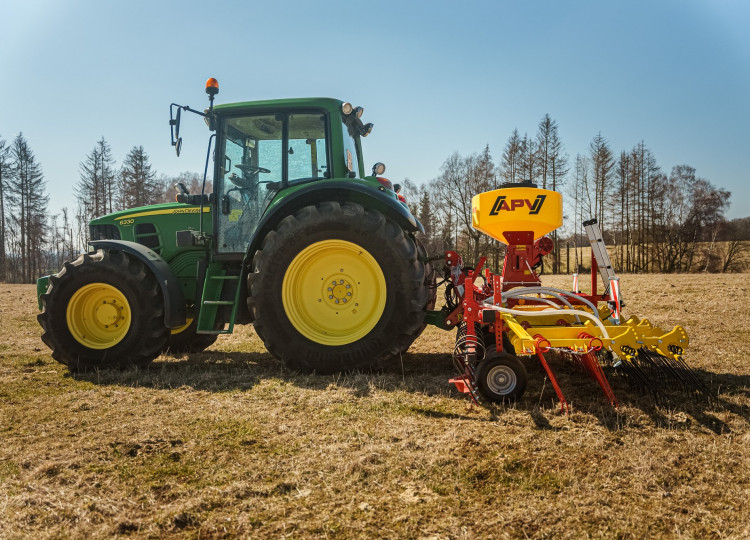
<point>334,292</point>
<point>182,328</point>
<point>98,316</point>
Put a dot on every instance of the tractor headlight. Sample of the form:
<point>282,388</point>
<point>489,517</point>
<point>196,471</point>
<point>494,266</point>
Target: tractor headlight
<point>378,169</point>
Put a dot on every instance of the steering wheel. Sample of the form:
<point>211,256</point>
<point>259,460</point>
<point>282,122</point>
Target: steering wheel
<point>250,169</point>
<point>249,178</point>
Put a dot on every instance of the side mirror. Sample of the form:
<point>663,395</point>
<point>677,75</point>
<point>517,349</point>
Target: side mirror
<point>174,126</point>
<point>177,123</point>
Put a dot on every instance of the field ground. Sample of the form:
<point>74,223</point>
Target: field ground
<point>230,443</point>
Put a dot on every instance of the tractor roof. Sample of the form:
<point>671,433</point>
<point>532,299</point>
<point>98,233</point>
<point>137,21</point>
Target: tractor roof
<point>322,102</point>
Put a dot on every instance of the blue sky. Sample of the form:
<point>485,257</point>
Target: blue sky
<point>435,77</point>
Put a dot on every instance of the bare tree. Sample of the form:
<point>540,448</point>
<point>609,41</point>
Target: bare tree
<point>96,190</point>
<point>193,181</point>
<point>460,179</point>
<point>510,164</point>
<point>687,210</point>
<point>732,251</point>
<point>602,163</point>
<point>5,172</point>
<point>529,160</point>
<point>553,167</point>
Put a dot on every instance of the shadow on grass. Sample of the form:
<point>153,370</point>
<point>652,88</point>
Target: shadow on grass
<point>428,374</point>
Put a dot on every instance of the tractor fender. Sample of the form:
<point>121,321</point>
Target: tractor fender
<point>334,190</point>
<point>174,300</point>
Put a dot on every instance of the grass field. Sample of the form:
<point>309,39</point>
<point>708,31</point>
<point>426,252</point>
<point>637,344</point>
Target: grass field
<point>229,443</point>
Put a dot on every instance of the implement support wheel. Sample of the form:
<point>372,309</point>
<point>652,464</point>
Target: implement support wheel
<point>501,377</point>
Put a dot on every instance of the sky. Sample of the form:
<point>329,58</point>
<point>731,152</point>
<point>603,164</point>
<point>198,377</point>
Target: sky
<point>434,77</point>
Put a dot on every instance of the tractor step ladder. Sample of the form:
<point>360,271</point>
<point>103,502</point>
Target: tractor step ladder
<point>211,299</point>
<point>599,251</point>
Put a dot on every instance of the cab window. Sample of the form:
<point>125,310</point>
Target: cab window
<point>307,153</point>
<point>252,159</point>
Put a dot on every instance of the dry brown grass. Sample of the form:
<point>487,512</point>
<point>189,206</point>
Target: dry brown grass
<point>229,443</point>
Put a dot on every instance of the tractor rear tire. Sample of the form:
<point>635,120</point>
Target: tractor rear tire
<point>103,310</point>
<point>187,340</point>
<point>501,377</point>
<point>337,287</point>
<point>430,282</point>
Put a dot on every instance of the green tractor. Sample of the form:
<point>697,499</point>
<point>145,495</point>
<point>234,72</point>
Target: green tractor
<point>294,238</point>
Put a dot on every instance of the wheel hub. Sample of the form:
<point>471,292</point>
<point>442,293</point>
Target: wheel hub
<point>339,290</point>
<point>108,314</point>
<point>501,380</point>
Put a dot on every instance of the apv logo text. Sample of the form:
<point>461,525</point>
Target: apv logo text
<point>501,204</point>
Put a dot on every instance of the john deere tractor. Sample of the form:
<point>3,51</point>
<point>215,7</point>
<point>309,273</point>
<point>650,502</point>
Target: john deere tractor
<point>294,238</point>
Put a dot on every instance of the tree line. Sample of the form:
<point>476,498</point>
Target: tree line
<point>652,221</point>
<point>34,242</point>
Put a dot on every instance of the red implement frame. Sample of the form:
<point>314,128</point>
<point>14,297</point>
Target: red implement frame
<point>523,256</point>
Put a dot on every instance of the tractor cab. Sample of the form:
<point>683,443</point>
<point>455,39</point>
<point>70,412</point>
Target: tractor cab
<point>269,150</point>
<point>258,155</point>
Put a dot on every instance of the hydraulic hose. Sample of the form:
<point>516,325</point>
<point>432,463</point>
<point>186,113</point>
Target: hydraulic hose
<point>490,305</point>
<point>552,292</point>
<point>560,297</point>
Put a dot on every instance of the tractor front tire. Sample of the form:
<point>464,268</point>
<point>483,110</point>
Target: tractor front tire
<point>337,287</point>
<point>103,310</point>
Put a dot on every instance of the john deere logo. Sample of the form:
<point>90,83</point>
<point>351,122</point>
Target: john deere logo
<point>502,205</point>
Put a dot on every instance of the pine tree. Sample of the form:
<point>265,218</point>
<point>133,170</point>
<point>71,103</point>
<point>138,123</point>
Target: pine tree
<point>427,219</point>
<point>28,207</point>
<point>138,184</point>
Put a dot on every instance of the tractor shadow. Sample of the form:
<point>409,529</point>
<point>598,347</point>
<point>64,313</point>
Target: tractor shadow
<point>428,374</point>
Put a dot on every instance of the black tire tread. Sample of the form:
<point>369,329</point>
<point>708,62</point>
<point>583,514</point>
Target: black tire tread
<point>388,339</point>
<point>148,334</point>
